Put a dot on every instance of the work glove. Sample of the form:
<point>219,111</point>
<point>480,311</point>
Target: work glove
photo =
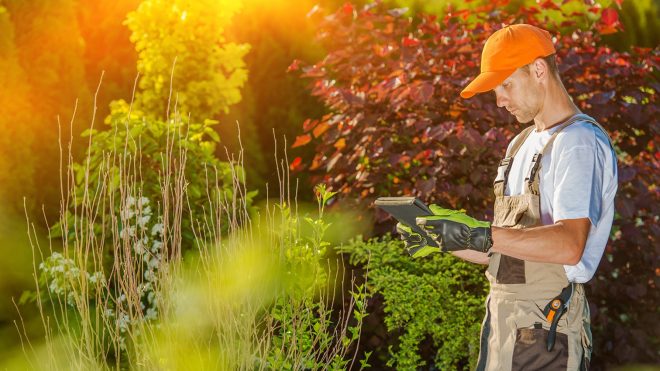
<point>416,244</point>
<point>453,230</point>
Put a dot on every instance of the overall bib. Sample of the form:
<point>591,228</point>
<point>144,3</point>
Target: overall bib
<point>515,330</point>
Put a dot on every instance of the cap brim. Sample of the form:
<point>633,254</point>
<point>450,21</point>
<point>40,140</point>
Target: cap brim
<point>484,82</point>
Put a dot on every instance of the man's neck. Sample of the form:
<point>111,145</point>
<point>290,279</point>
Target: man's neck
<point>557,107</point>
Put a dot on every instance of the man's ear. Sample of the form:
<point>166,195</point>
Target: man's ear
<point>539,69</point>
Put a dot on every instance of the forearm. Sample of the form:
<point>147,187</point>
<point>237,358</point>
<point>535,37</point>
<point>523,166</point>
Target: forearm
<point>561,243</point>
<point>472,256</point>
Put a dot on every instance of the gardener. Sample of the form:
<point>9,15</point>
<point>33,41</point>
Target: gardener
<point>553,212</point>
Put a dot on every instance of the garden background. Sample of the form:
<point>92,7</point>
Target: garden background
<point>188,184</point>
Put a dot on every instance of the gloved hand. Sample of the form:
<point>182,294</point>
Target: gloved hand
<point>416,244</point>
<point>453,230</point>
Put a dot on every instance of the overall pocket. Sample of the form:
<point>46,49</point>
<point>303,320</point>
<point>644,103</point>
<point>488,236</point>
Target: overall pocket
<point>509,210</point>
<point>530,350</point>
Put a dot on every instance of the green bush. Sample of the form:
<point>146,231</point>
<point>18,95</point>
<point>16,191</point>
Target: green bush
<point>147,150</point>
<point>440,298</point>
<point>209,71</point>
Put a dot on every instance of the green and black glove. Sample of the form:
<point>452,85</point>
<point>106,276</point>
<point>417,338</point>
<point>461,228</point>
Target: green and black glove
<point>416,244</point>
<point>453,230</point>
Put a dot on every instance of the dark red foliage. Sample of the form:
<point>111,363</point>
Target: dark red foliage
<point>397,126</point>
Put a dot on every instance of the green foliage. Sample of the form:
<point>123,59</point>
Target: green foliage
<point>303,317</point>
<point>440,298</point>
<point>63,278</point>
<point>209,71</point>
<point>144,146</point>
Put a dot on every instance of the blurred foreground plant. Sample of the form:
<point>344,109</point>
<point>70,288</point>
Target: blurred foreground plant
<point>255,292</point>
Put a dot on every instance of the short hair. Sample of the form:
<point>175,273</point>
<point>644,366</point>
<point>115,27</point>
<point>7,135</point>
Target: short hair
<point>551,61</point>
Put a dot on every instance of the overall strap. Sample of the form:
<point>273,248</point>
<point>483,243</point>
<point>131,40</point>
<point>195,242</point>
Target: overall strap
<point>505,165</point>
<point>532,179</point>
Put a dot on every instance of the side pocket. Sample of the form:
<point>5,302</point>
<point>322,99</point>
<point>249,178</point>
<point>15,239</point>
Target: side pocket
<point>586,344</point>
<point>530,351</point>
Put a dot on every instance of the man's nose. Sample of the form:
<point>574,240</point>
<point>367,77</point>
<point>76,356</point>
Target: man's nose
<point>501,101</point>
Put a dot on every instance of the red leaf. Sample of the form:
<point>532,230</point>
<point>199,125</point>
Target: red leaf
<point>609,17</point>
<point>609,22</point>
<point>295,164</point>
<point>301,140</point>
<point>316,162</point>
<point>309,124</point>
<point>320,129</point>
<point>549,4</point>
<point>467,48</point>
<point>422,93</point>
<point>294,66</point>
<point>347,9</point>
<point>621,62</point>
<point>463,13</point>
<point>410,42</point>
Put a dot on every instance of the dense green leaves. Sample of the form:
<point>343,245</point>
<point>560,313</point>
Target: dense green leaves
<point>209,71</point>
<point>440,299</point>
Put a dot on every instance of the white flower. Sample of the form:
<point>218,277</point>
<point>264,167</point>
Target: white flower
<point>156,246</point>
<point>153,263</point>
<point>71,299</point>
<point>123,321</point>
<point>139,248</point>
<point>157,229</point>
<point>130,201</point>
<point>144,287</point>
<point>127,232</point>
<point>143,220</point>
<point>97,277</point>
<point>127,214</point>
<point>54,287</point>
<point>143,201</point>
<point>151,314</point>
<point>149,275</point>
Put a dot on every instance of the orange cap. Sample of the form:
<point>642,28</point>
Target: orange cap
<point>505,51</point>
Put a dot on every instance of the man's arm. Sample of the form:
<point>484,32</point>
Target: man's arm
<point>561,243</point>
<point>472,256</point>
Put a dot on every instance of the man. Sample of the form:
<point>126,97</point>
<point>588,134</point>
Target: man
<point>553,212</point>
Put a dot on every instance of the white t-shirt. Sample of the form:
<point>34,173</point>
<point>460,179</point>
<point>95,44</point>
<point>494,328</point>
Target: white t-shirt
<point>578,179</point>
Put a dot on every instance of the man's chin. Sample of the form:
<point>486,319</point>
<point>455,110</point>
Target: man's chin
<point>522,120</point>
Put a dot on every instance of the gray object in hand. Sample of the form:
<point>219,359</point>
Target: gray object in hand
<point>406,210</point>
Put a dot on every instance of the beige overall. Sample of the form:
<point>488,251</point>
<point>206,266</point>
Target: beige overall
<point>514,330</point>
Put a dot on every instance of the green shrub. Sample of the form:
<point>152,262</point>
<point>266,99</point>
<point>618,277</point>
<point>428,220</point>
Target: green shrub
<point>440,298</point>
<point>209,71</point>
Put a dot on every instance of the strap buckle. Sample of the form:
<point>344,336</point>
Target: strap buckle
<point>503,170</point>
<point>536,165</point>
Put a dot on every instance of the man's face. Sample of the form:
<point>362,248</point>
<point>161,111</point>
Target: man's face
<point>520,94</point>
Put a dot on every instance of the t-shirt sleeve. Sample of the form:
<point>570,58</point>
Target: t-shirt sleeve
<point>578,183</point>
